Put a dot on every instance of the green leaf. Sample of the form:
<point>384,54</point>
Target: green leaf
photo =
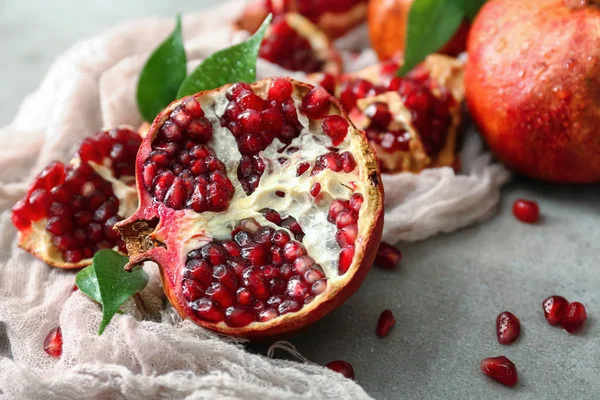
<point>471,7</point>
<point>431,24</point>
<point>162,75</point>
<point>233,64</point>
<point>106,282</point>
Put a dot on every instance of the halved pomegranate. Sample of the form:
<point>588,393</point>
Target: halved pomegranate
<point>246,247</point>
<point>69,211</point>
<point>335,18</point>
<point>412,122</point>
<point>294,43</point>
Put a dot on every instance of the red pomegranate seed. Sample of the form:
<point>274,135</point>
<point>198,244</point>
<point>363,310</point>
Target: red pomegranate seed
<point>386,322</point>
<point>346,257</point>
<point>508,327</point>
<point>574,317</point>
<point>207,311</point>
<point>239,316</point>
<point>554,309</point>
<point>316,103</point>
<point>235,90</point>
<point>280,90</point>
<point>501,369</point>
<point>343,367</point>
<point>315,189</point>
<point>302,168</point>
<point>53,342</point>
<point>336,127</point>
<point>388,256</point>
<point>526,211</point>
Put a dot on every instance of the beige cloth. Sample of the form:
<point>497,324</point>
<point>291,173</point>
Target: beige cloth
<point>149,352</point>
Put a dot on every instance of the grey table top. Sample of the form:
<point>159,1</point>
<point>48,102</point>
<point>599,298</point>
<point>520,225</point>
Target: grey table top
<point>449,289</point>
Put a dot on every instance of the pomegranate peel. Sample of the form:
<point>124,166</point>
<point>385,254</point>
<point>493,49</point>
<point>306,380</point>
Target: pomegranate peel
<point>398,114</point>
<point>68,211</point>
<point>266,257</point>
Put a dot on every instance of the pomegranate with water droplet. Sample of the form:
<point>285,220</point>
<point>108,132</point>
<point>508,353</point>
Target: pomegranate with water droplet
<point>533,82</point>
<point>69,211</point>
<point>412,122</point>
<point>335,18</point>
<point>230,216</point>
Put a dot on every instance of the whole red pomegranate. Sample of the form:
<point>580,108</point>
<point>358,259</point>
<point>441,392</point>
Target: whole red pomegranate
<point>533,86</point>
<point>387,28</point>
<point>334,17</point>
<point>262,205</point>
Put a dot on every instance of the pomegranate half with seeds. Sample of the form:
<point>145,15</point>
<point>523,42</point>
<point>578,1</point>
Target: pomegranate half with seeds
<point>412,121</point>
<point>294,43</point>
<point>69,211</point>
<point>262,205</point>
<point>335,18</point>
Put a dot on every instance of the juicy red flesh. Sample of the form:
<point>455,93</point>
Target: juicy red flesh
<point>526,211</point>
<point>508,327</point>
<point>255,123</point>
<point>501,369</point>
<point>290,223</point>
<point>388,256</point>
<point>80,206</point>
<point>336,127</point>
<point>182,171</point>
<point>554,309</point>
<point>431,114</point>
<point>53,343</point>
<point>284,46</point>
<point>574,317</point>
<point>258,275</point>
<point>337,162</point>
<point>342,367</point>
<point>344,214</point>
<point>385,323</point>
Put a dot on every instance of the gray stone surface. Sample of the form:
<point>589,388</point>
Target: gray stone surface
<point>449,289</point>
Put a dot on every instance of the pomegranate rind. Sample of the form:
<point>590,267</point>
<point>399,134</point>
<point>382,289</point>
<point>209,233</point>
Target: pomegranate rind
<point>36,240</point>
<point>447,72</point>
<point>161,242</point>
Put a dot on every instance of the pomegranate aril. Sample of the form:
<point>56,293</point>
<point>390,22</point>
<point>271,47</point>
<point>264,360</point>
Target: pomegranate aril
<point>379,114</point>
<point>347,236</point>
<point>554,309</point>
<point>574,317</point>
<point>388,256</point>
<point>508,327</point>
<point>207,310</point>
<point>235,90</point>
<point>297,289</point>
<point>200,271</point>
<point>316,103</point>
<point>385,323</point>
<point>288,306</point>
<point>345,218</point>
<point>244,297</point>
<point>248,100</point>
<point>256,253</point>
<point>501,369</point>
<point>302,168</point>
<point>58,226</point>
<point>337,206</point>
<point>53,342</point>
<point>280,89</point>
<point>271,216</point>
<point>336,127</point>
<point>355,202</point>
<point>526,211</point>
<point>191,290</point>
<point>220,295</point>
<point>267,315</point>
<point>255,282</point>
<point>318,287</point>
<point>239,316</point>
<point>315,189</point>
<point>292,251</point>
<point>345,260</point>
<point>342,367</point>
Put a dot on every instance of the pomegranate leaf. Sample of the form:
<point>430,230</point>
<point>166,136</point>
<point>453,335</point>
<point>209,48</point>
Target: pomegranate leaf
<point>472,7</point>
<point>106,282</point>
<point>431,24</point>
<point>162,75</point>
<point>233,64</point>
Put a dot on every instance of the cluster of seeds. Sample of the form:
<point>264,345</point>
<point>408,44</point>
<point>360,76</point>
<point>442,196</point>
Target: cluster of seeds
<point>284,46</point>
<point>117,148</point>
<point>258,275</point>
<point>344,214</point>
<point>290,223</point>
<point>182,171</point>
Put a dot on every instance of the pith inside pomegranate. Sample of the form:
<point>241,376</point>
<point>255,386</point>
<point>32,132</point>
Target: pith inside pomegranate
<point>412,122</point>
<point>294,43</point>
<point>228,209</point>
<point>69,211</point>
<point>533,83</point>
<point>335,18</point>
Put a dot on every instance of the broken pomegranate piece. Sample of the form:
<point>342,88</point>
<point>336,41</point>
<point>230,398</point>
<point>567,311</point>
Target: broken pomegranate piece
<point>267,223</point>
<point>295,44</point>
<point>69,211</point>
<point>411,121</point>
<point>335,18</point>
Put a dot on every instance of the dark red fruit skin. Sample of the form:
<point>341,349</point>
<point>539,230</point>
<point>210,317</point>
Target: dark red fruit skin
<point>532,81</point>
<point>134,231</point>
<point>342,367</point>
<point>526,211</point>
<point>554,309</point>
<point>385,323</point>
<point>574,317</point>
<point>508,327</point>
<point>501,369</point>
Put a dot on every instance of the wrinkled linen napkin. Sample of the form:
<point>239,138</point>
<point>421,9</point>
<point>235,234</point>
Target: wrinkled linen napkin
<point>149,352</point>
